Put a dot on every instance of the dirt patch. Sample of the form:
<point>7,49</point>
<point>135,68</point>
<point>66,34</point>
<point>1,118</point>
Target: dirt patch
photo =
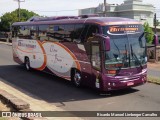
<point>153,79</point>
<point>4,107</point>
<point>155,66</point>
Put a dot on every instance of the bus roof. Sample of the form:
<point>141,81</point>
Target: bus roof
<point>93,20</point>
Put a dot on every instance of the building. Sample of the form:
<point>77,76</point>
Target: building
<point>134,9</point>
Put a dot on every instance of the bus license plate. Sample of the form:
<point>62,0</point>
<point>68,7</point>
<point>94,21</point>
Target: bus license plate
<point>130,83</point>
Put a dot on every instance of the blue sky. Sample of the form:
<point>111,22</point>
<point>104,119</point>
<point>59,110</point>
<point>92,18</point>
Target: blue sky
<point>49,7</point>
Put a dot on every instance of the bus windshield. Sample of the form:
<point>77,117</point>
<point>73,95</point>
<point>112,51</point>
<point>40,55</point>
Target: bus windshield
<point>127,43</point>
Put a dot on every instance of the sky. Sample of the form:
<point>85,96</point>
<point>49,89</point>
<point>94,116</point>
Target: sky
<point>57,7</point>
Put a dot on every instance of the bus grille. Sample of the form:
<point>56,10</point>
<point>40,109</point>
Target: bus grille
<point>129,78</point>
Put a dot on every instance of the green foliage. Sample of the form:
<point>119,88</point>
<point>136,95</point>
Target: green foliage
<point>9,18</point>
<point>150,36</point>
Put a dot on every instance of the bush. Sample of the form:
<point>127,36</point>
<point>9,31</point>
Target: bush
<point>149,37</point>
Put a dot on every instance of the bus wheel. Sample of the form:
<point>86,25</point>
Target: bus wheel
<point>27,64</point>
<point>76,77</point>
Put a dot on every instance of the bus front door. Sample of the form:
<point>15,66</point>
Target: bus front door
<point>96,60</point>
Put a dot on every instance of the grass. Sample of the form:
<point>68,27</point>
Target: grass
<point>3,118</point>
<point>153,79</point>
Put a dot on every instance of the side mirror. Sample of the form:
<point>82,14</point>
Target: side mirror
<point>155,40</point>
<point>107,44</point>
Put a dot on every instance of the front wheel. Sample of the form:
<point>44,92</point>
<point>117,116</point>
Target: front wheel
<point>76,77</point>
<point>27,64</point>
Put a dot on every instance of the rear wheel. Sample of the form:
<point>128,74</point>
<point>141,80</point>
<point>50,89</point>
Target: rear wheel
<point>27,64</point>
<point>76,77</point>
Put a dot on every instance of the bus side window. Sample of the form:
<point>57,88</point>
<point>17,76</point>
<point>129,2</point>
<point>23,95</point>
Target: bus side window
<point>78,31</point>
<point>33,32</point>
<point>84,32</point>
<point>56,33</point>
<point>43,32</point>
<point>24,32</point>
<point>92,29</point>
<point>51,33</point>
<point>69,33</point>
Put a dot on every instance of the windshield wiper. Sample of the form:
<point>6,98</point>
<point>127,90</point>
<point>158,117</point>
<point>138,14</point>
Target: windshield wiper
<point>136,58</point>
<point>125,57</point>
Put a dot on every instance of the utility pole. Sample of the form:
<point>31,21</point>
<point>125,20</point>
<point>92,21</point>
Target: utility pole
<point>105,9</point>
<point>155,23</point>
<point>155,31</point>
<point>19,9</point>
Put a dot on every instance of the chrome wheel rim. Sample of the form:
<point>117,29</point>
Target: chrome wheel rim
<point>77,78</point>
<point>27,64</point>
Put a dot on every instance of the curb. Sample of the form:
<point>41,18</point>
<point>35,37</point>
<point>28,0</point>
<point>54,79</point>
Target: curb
<point>15,102</point>
<point>6,43</point>
<point>153,82</point>
<point>152,79</point>
<point>18,104</point>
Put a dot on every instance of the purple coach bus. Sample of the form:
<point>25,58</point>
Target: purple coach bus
<point>107,53</point>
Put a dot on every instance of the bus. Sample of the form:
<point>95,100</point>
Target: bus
<point>106,53</point>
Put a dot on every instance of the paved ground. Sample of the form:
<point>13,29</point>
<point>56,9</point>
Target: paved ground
<point>45,91</point>
<point>154,69</point>
<point>6,70</point>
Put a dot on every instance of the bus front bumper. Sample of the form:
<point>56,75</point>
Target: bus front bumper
<point>122,84</point>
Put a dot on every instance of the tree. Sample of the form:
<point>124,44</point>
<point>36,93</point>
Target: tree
<point>9,18</point>
<point>149,37</point>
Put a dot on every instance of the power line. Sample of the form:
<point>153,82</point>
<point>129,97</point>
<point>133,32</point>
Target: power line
<point>55,11</point>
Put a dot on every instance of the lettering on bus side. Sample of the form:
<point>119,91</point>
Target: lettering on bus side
<point>21,44</point>
<point>57,59</point>
<point>52,49</point>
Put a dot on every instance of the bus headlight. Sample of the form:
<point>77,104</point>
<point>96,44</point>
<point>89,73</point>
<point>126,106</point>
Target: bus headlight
<point>114,84</point>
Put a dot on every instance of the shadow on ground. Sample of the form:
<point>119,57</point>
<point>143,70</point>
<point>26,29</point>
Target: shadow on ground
<point>50,88</point>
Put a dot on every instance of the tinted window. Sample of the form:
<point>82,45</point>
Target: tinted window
<point>78,32</point>
<point>92,29</point>
<point>43,32</point>
<point>59,34</point>
<point>84,32</point>
<point>24,32</point>
<point>51,32</point>
<point>56,32</point>
<point>69,33</point>
<point>33,32</point>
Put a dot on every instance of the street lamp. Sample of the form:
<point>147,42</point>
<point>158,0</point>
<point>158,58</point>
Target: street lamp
<point>19,1</point>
